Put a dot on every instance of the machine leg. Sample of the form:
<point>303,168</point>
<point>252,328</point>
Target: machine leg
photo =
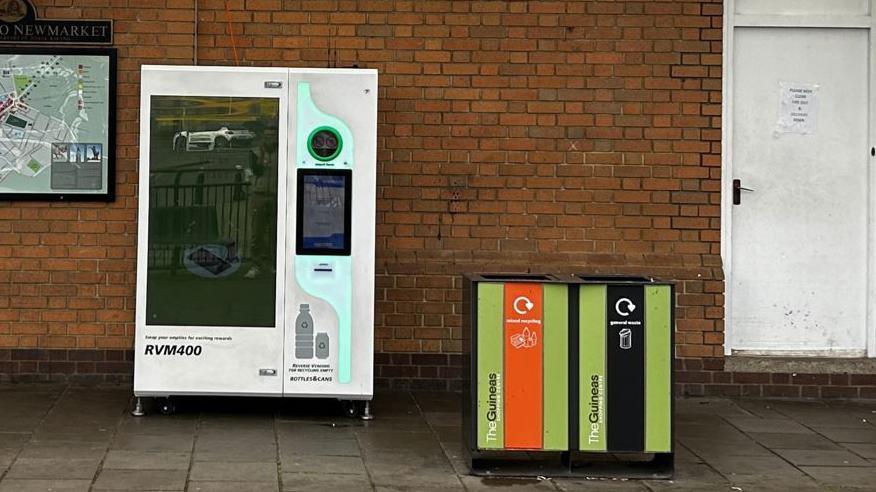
<point>366,411</point>
<point>138,408</point>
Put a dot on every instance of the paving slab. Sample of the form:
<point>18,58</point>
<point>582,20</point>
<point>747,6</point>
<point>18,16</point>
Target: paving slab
<point>778,440</point>
<point>407,459</point>
<point>345,465</point>
<point>844,435</point>
<point>389,404</point>
<point>233,487</point>
<point>174,480</point>
<point>600,484</point>
<point>693,408</point>
<point>314,482</point>
<point>757,424</point>
<point>399,441</point>
<point>13,440</point>
<point>775,484</point>
<point>234,472</point>
<point>53,468</point>
<point>417,479</point>
<point>303,431</point>
<point>407,471</point>
<point>415,445</point>
<point>23,485</point>
<point>760,408</point>
<point>695,476</point>
<point>842,476</point>
<point>829,418</point>
<point>822,457</point>
<point>6,457</point>
<point>435,401</point>
<point>159,425</point>
<point>479,484</point>
<point>407,424</point>
<point>866,450</point>
<point>448,419</point>
<point>230,449</point>
<point>411,488</point>
<point>21,409</point>
<point>448,433</point>
<point>710,449</point>
<point>313,447</point>
<point>760,466</point>
<point>725,433</point>
<point>177,443</point>
<point>121,459</point>
<point>63,450</point>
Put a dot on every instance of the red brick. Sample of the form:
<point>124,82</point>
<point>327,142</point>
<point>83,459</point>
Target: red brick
<point>572,129</point>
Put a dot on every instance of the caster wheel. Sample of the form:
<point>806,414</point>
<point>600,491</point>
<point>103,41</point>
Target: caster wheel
<point>350,409</point>
<point>166,406</point>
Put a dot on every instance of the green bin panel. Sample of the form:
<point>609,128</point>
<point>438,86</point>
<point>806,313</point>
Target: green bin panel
<point>658,369</point>
<point>490,421</point>
<point>592,377</point>
<point>556,367</point>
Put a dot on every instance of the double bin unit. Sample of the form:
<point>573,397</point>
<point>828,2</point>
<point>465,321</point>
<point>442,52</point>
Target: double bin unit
<point>569,375</point>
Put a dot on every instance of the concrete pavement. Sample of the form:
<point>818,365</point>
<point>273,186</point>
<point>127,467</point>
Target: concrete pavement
<point>70,438</point>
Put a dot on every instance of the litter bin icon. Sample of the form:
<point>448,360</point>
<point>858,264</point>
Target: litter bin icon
<point>626,338</point>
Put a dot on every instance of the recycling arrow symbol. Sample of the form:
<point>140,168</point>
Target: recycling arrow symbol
<point>525,302</point>
<point>624,302</point>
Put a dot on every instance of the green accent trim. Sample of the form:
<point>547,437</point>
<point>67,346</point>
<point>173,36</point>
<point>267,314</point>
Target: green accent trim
<point>339,297</point>
<point>591,347</point>
<point>310,143</point>
<point>658,369</point>
<point>556,367</point>
<point>489,353</point>
<point>309,116</point>
<point>339,292</point>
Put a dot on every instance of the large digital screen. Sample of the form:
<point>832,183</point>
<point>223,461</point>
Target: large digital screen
<point>323,212</point>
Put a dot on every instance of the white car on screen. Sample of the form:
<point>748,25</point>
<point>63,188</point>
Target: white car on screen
<point>211,139</point>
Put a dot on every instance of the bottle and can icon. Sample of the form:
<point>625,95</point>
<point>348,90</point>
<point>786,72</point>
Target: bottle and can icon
<point>322,346</point>
<point>304,333</point>
<point>626,338</point>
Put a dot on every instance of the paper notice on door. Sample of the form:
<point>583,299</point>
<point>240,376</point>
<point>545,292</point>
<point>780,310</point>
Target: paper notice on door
<point>798,107</point>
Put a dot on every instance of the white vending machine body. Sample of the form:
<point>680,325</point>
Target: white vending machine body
<point>255,258</point>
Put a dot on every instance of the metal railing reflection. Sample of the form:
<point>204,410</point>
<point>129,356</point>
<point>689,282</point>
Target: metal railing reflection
<point>191,208</point>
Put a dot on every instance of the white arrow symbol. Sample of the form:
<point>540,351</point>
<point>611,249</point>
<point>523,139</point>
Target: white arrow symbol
<point>526,302</point>
<point>630,306</point>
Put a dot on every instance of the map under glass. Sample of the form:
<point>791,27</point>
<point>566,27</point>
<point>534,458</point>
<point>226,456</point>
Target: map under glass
<point>54,123</point>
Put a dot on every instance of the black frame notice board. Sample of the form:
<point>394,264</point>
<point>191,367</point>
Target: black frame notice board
<point>108,171</point>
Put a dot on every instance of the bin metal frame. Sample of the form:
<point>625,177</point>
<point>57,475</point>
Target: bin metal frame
<point>572,460</point>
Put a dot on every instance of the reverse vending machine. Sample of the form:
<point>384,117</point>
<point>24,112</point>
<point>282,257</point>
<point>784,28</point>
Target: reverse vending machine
<point>255,266</point>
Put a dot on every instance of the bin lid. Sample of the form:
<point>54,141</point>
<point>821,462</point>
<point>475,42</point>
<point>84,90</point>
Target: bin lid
<point>512,277</point>
<point>618,279</point>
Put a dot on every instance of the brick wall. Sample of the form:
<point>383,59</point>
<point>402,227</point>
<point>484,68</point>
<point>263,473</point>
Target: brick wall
<point>573,136</point>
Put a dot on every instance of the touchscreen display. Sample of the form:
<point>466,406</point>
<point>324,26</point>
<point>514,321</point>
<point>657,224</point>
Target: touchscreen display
<point>323,224</point>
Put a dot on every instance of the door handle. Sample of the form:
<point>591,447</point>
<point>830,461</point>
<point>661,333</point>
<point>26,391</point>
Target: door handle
<point>737,191</point>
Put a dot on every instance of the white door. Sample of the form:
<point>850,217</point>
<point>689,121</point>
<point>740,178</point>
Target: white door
<point>798,236</point>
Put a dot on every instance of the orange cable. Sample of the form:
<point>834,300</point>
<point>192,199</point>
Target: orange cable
<point>231,33</point>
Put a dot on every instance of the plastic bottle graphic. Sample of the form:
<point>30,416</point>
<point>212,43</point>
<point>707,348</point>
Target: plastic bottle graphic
<point>304,333</point>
